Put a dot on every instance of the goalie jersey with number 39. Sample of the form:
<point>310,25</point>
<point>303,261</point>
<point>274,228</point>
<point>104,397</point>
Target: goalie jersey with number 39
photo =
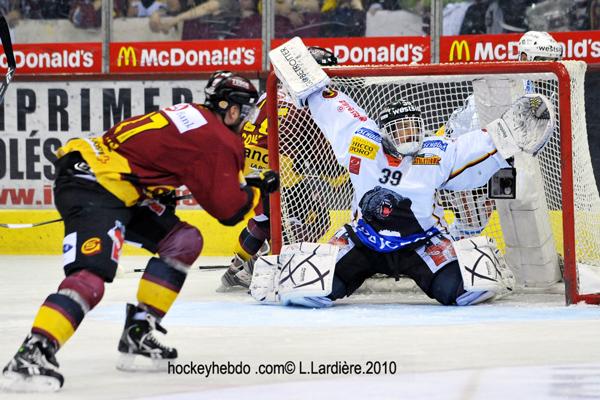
<point>465,163</point>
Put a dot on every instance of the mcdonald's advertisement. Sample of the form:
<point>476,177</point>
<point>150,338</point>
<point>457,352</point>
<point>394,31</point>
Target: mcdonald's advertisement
<point>580,45</point>
<point>56,58</point>
<point>186,56</point>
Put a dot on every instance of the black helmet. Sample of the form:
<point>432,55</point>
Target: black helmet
<point>225,89</point>
<point>397,110</point>
<point>401,127</point>
<point>215,75</point>
<point>323,57</point>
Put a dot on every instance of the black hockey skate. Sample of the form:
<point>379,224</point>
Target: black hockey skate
<point>34,368</point>
<point>140,350</point>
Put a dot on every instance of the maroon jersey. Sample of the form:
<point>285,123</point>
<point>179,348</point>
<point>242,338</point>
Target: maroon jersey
<point>185,144</point>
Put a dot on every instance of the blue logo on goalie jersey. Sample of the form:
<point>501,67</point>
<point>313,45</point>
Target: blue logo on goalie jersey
<point>435,144</point>
<point>369,134</point>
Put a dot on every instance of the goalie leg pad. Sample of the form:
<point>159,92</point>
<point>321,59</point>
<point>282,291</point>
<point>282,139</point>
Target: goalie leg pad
<point>301,271</point>
<point>482,267</point>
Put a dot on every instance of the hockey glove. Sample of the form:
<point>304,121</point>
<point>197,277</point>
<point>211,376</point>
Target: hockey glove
<point>266,181</point>
<point>526,126</point>
<point>168,199</point>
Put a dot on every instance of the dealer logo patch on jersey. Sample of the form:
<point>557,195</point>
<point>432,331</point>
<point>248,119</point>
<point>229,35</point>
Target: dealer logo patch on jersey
<point>369,134</point>
<point>363,147</point>
<point>69,246</point>
<point>354,165</point>
<point>426,159</point>
<point>329,93</point>
<point>117,234</point>
<point>185,117</point>
<point>435,144</point>
<point>91,246</point>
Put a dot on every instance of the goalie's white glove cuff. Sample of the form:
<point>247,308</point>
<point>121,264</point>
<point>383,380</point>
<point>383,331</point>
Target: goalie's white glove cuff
<point>502,138</point>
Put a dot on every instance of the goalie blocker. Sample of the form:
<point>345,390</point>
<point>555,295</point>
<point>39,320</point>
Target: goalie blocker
<point>297,70</point>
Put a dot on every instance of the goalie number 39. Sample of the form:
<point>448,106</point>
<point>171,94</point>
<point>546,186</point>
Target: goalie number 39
<point>392,177</point>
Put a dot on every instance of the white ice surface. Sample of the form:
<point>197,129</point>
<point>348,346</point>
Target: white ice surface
<point>522,347</point>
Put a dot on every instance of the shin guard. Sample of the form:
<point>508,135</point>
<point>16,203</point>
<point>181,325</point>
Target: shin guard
<point>160,286</point>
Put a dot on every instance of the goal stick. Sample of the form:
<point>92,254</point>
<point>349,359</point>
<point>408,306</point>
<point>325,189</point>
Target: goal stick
<point>10,57</point>
<point>33,225</point>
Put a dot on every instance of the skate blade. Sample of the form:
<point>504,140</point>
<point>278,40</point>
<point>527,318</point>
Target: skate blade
<point>14,382</point>
<point>138,363</point>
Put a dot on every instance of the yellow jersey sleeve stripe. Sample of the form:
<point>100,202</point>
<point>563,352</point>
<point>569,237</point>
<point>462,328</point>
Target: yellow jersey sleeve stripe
<point>459,171</point>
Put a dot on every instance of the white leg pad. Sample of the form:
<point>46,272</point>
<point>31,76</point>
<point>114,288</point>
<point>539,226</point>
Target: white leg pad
<point>482,267</point>
<point>297,70</point>
<point>302,270</point>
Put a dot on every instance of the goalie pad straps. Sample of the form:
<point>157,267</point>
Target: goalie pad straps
<point>303,271</point>
<point>297,70</point>
<point>482,267</point>
<point>525,126</point>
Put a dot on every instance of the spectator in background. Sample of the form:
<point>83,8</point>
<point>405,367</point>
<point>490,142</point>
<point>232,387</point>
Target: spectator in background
<point>307,21</point>
<point>145,8</point>
<point>473,22</point>
<point>9,9</point>
<point>202,19</point>
<point>507,16</point>
<point>346,18</point>
<point>249,25</point>
<point>86,13</point>
<point>595,14</point>
<point>14,10</point>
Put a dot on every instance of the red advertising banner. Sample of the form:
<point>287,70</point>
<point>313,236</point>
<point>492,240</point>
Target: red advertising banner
<point>56,58</point>
<point>373,50</point>
<point>579,45</point>
<point>186,56</point>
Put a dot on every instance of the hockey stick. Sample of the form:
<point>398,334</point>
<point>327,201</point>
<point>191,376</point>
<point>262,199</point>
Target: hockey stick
<point>10,56</point>
<point>22,226</point>
<point>33,225</point>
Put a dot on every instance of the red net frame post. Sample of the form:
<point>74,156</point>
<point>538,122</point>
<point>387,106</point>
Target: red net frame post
<point>564,87</point>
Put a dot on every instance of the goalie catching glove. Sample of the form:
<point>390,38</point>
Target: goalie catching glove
<point>265,180</point>
<point>526,126</point>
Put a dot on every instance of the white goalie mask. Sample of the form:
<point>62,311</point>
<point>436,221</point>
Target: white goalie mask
<point>539,46</point>
<point>401,128</point>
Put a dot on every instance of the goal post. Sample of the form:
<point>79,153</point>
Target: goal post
<point>315,197</point>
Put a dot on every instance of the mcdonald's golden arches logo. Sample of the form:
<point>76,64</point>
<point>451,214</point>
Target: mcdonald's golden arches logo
<point>458,48</point>
<point>126,55</point>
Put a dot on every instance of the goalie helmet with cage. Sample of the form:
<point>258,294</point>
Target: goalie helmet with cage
<point>225,89</point>
<point>539,46</point>
<point>402,128</point>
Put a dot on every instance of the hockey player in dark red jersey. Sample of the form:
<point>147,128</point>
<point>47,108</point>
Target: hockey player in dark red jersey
<point>109,189</point>
<point>253,239</point>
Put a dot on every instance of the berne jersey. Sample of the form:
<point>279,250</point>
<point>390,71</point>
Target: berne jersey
<point>185,144</point>
<point>464,163</point>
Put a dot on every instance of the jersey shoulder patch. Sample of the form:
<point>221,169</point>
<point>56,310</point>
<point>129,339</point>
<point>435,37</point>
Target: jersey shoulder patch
<point>185,117</point>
